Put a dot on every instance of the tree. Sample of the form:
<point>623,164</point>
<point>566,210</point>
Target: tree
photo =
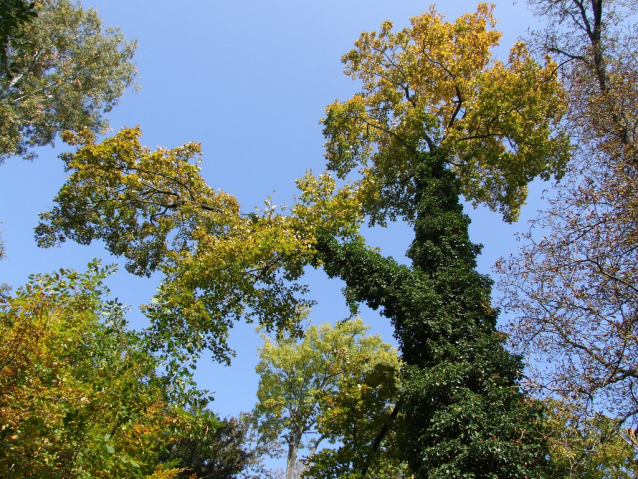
<point>13,14</point>
<point>436,86</point>
<point>591,447</point>
<point>334,384</point>
<point>597,59</point>
<point>439,117</point>
<point>574,295</point>
<point>80,395</point>
<point>78,398</point>
<point>63,72</point>
<point>215,449</point>
<point>573,290</point>
<point>218,264</point>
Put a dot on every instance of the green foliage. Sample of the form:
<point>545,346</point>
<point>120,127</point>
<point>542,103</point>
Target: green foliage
<point>335,384</point>
<point>63,72</point>
<point>13,14</point>
<point>439,117</point>
<point>464,414</point>
<point>588,448</point>
<point>80,395</point>
<point>156,210</point>
<point>214,449</point>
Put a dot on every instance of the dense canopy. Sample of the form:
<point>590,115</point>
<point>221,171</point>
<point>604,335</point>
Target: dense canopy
<point>440,120</point>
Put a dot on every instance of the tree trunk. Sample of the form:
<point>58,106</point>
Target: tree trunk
<point>293,447</point>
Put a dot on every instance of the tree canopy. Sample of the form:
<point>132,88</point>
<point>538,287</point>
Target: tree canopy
<point>334,384</point>
<point>80,395</point>
<point>219,264</point>
<point>62,72</point>
<point>13,14</point>
<point>439,119</point>
<point>437,85</point>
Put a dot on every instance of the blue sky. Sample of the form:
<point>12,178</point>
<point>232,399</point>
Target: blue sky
<point>249,80</point>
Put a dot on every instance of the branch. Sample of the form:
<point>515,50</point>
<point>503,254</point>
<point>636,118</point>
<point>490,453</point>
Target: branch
<point>376,444</point>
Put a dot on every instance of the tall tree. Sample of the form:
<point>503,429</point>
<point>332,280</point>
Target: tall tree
<point>573,290</point>
<point>62,72</point>
<point>439,117</point>
<point>334,384</point>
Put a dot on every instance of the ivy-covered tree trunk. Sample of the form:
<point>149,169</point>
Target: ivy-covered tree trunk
<point>466,416</point>
<point>439,116</point>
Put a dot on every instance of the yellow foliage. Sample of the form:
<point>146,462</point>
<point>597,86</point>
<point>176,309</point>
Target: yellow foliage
<point>78,397</point>
<point>219,263</point>
<point>437,87</point>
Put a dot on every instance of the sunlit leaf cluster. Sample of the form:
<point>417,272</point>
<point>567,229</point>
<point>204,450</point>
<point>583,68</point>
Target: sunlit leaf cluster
<point>79,394</point>
<point>62,70</point>
<point>218,263</point>
<point>587,447</point>
<point>437,85</point>
<point>334,384</point>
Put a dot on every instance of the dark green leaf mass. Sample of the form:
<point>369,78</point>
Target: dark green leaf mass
<point>13,14</point>
<point>466,416</point>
